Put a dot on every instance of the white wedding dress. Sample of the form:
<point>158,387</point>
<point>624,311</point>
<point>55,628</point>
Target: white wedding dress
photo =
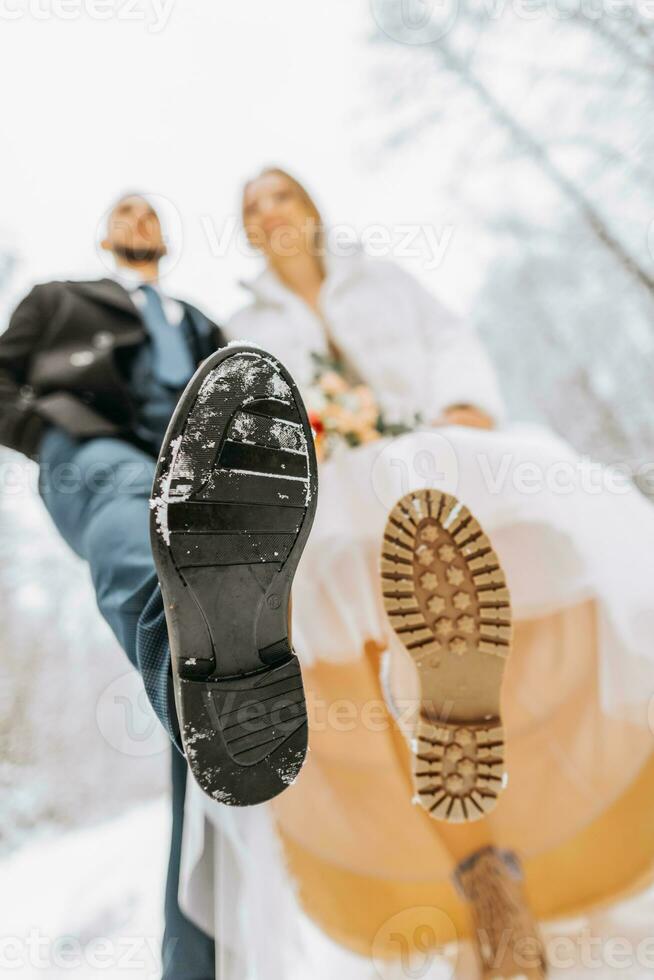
<point>567,531</point>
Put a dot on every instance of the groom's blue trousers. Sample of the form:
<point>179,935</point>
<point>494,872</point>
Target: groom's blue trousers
<point>97,493</point>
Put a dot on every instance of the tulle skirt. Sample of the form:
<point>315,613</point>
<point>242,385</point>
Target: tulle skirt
<point>345,846</point>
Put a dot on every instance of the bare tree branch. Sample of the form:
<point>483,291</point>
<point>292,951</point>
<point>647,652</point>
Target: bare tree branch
<point>539,154</point>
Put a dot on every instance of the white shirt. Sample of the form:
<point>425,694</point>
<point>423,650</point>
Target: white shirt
<point>131,280</point>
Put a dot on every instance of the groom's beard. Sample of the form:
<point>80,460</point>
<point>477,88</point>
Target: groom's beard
<point>140,254</point>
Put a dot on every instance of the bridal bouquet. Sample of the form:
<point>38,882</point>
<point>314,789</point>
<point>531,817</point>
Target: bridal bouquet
<point>343,413</point>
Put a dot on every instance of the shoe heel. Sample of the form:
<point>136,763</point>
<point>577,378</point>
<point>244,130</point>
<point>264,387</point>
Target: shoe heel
<point>459,770</point>
<point>258,733</point>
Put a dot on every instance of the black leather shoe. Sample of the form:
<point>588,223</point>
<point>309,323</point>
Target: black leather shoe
<point>233,501</point>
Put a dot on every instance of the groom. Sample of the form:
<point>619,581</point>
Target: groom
<point>81,382</point>
<point>91,375</point>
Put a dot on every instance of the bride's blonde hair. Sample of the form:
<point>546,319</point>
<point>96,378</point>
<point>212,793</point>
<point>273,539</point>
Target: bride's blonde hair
<point>306,198</point>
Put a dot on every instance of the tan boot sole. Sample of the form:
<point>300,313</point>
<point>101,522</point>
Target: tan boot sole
<point>446,598</point>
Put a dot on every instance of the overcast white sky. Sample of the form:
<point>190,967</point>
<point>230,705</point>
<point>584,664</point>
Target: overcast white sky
<point>184,99</point>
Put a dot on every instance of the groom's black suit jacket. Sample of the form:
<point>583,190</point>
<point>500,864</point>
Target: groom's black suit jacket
<point>64,360</point>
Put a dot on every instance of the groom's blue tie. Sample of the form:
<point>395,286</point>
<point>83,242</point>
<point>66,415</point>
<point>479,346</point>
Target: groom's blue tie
<point>173,362</point>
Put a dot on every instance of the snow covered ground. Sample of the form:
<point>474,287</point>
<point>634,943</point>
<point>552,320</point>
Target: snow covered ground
<point>74,717</point>
<point>87,905</point>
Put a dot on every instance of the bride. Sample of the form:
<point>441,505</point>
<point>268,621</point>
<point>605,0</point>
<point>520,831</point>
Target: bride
<point>360,867</point>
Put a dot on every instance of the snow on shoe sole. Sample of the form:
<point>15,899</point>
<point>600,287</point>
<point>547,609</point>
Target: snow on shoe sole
<point>234,498</point>
<point>446,598</point>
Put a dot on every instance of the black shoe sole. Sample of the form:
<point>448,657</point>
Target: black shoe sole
<point>233,502</point>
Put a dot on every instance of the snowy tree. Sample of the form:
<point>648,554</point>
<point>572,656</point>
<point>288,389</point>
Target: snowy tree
<point>539,125</point>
